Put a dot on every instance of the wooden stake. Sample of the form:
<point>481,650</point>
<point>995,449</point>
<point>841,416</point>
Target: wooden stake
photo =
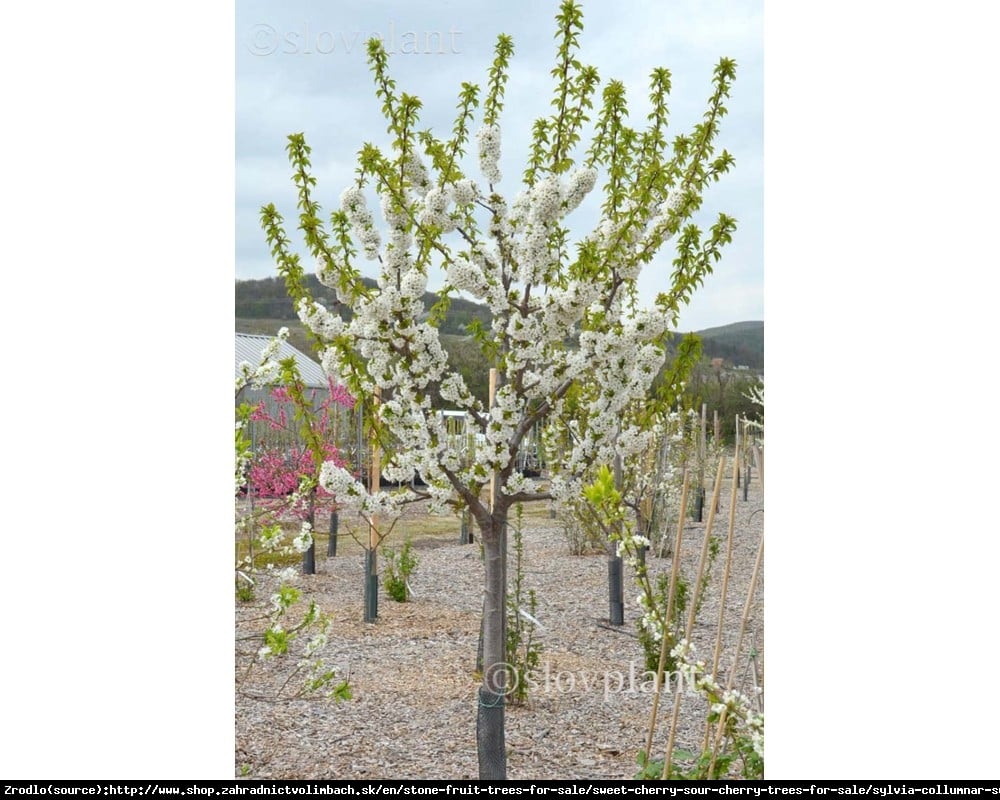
<point>739,646</point>
<point>646,504</point>
<point>725,582</point>
<point>674,567</point>
<point>758,458</point>
<point>692,611</point>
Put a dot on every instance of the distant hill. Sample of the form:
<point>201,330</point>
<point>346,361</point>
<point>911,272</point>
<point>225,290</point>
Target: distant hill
<point>265,299</point>
<point>262,306</point>
<point>742,343</point>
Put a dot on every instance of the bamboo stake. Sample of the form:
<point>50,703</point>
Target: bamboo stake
<point>758,680</point>
<point>692,612</point>
<point>739,646</point>
<point>646,504</point>
<point>664,638</point>
<point>758,457</point>
<point>725,585</point>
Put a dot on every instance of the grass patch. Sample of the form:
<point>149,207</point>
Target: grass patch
<point>425,531</point>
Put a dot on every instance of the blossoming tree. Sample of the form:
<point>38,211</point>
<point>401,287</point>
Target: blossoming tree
<point>513,253</point>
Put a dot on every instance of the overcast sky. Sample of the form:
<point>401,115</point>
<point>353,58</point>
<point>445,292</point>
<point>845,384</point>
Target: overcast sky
<point>301,66</point>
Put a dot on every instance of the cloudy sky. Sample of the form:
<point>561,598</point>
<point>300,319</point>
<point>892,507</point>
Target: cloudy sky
<point>301,66</point>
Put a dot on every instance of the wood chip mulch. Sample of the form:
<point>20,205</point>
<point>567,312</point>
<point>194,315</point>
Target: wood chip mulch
<point>413,712</point>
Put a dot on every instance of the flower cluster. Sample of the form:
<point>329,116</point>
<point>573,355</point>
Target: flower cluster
<point>353,496</point>
<point>352,201</point>
<point>321,322</point>
<point>416,174</point>
<point>464,192</point>
<point>741,717</point>
<point>268,370</point>
<point>304,540</point>
<point>488,138</point>
<point>435,211</point>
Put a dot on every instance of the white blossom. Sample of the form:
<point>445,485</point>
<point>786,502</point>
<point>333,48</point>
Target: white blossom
<point>304,540</point>
<point>488,138</point>
<point>464,192</point>
<point>352,201</point>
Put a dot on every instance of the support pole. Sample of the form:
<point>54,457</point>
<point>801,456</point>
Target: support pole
<point>616,591</point>
<point>737,449</point>
<point>371,587</point>
<point>465,535</point>
<point>331,547</point>
<point>616,582</point>
<point>371,553</point>
<point>702,457</point>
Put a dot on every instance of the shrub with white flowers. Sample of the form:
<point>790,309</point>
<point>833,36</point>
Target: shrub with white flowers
<point>516,257</point>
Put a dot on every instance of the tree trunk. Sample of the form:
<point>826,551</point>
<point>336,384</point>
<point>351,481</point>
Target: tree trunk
<point>490,738</point>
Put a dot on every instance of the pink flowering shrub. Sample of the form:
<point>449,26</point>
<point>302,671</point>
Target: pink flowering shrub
<point>276,472</point>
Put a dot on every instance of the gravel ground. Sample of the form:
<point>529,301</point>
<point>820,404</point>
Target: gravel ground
<point>412,672</point>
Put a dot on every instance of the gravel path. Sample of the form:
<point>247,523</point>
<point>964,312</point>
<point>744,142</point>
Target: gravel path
<point>411,673</point>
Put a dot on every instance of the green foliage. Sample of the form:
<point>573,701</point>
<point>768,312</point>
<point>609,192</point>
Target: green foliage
<point>245,590</point>
<point>583,535</point>
<point>397,571</point>
<point>679,610</point>
<point>523,650</point>
<point>706,765</point>
<point>602,491</point>
<point>723,390</point>
<point>651,645</point>
<point>276,640</point>
<point>684,766</point>
<point>322,677</point>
